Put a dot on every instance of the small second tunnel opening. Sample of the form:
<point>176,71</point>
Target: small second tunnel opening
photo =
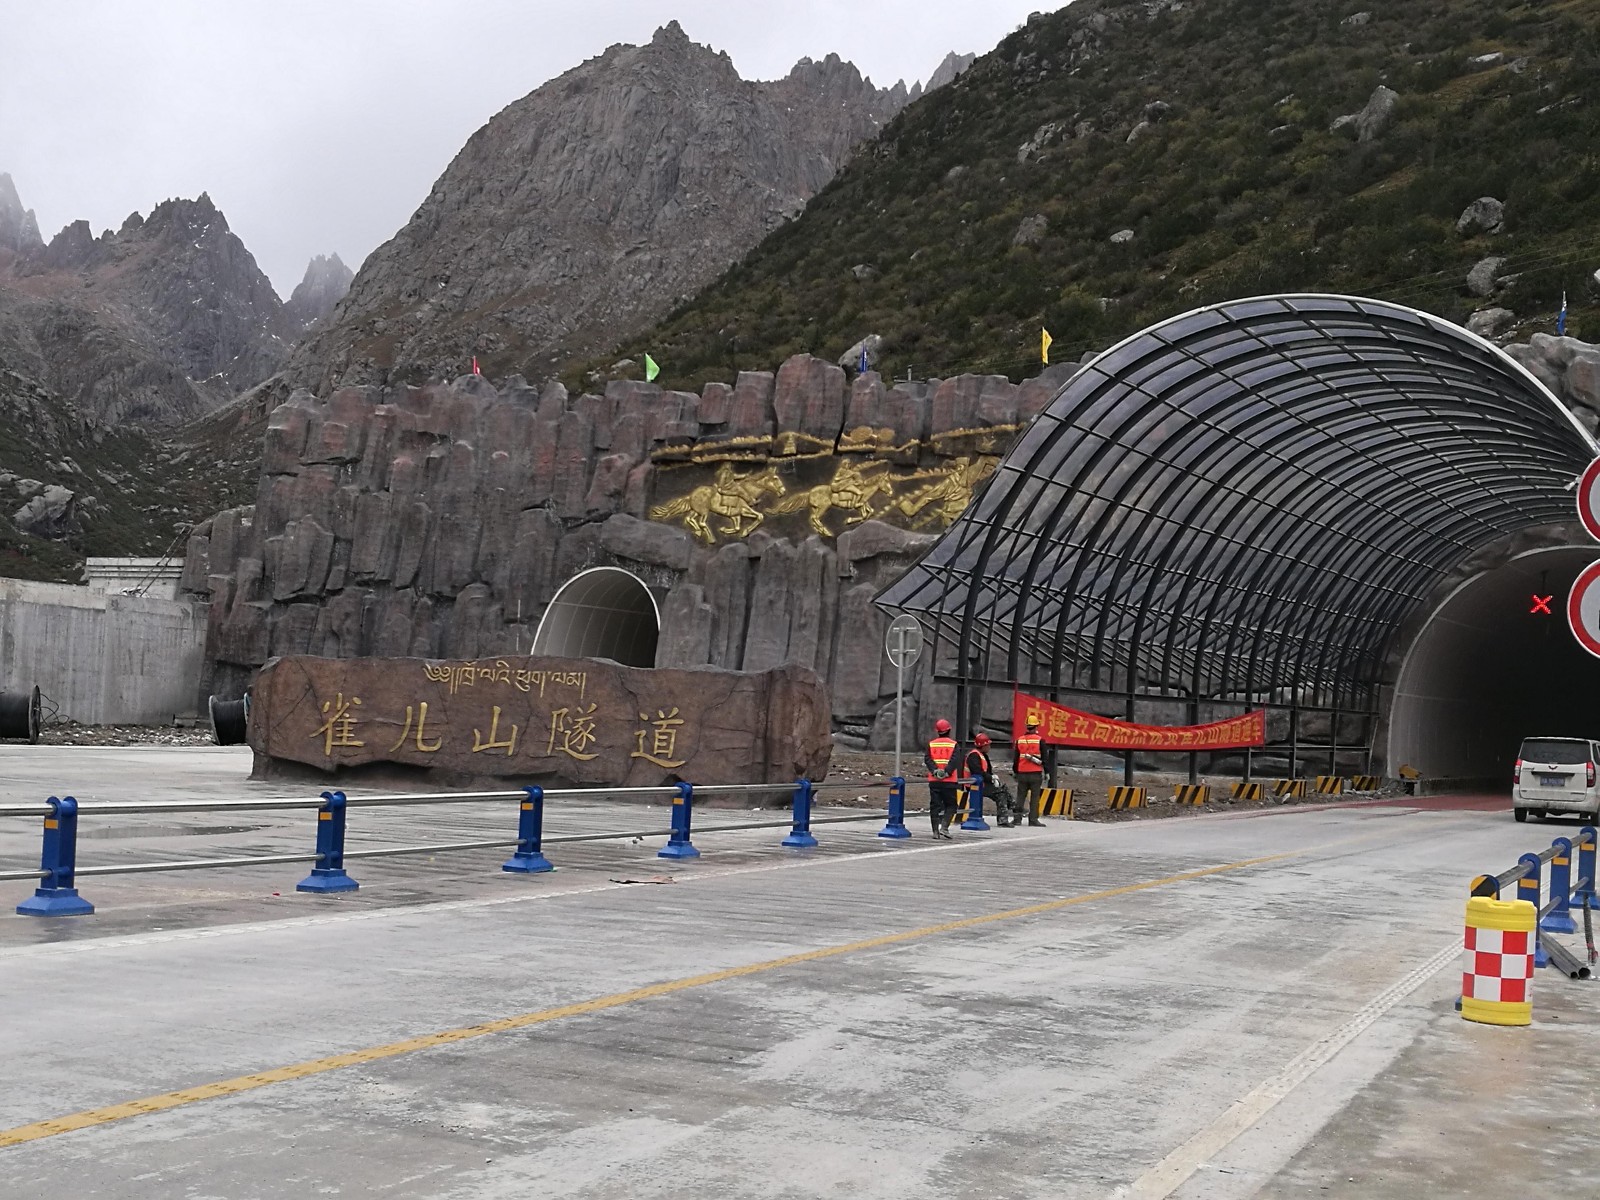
<point>605,612</point>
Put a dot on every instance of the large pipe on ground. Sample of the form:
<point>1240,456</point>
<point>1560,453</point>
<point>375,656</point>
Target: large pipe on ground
<point>19,715</point>
<point>230,720</point>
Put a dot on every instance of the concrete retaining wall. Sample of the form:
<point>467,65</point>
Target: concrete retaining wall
<point>102,659</point>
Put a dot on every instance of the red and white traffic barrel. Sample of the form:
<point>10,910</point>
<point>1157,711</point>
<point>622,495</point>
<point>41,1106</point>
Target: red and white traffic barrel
<point>1500,940</point>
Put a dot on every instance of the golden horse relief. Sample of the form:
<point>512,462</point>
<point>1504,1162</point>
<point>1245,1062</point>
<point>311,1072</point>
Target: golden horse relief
<point>949,497</point>
<point>862,489</point>
<point>731,496</point>
<point>853,488</point>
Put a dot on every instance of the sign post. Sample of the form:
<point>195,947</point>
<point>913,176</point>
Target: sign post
<point>1583,601</point>
<point>1583,608</point>
<point>1589,499</point>
<point>903,643</point>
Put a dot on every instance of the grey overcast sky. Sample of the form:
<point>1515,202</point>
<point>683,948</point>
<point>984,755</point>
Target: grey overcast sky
<point>319,125</point>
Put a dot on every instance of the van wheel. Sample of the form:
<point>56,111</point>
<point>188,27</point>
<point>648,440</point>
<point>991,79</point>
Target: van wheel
<point>1521,814</point>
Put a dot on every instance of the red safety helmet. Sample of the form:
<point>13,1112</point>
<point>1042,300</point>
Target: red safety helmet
<point>981,740</point>
<point>941,726</point>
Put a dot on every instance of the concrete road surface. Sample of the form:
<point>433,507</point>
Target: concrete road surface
<point>1219,1007</point>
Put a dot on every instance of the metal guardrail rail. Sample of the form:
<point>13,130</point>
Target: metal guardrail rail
<point>1564,892</point>
<point>57,895</point>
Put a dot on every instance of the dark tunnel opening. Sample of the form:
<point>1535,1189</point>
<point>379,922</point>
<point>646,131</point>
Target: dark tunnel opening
<point>604,612</point>
<point>1487,670</point>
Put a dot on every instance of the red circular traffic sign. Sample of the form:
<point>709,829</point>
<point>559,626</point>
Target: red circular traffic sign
<point>1589,499</point>
<point>1583,608</point>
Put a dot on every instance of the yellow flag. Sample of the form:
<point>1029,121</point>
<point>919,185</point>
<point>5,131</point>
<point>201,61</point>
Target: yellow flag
<point>650,369</point>
<point>1044,346</point>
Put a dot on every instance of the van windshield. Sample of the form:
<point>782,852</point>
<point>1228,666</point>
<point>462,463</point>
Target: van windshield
<point>1555,750</point>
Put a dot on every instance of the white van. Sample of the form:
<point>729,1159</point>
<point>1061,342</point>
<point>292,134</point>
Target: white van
<point>1555,776</point>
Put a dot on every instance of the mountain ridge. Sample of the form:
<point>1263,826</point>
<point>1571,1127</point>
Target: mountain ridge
<point>1118,162</point>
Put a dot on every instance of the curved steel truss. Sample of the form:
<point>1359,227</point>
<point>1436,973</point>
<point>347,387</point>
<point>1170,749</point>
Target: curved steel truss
<point>1242,499</point>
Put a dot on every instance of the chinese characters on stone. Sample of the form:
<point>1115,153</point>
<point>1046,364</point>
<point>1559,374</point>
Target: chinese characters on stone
<point>575,730</point>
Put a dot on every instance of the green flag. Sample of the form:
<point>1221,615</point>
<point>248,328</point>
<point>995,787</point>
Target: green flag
<point>650,369</point>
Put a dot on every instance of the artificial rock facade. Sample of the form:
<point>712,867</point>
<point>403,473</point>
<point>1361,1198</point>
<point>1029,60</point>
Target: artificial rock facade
<point>765,515</point>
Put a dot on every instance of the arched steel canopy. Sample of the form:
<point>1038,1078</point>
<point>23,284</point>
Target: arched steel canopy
<point>1245,497</point>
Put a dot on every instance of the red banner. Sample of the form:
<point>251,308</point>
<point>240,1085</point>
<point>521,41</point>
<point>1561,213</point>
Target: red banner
<point>1063,726</point>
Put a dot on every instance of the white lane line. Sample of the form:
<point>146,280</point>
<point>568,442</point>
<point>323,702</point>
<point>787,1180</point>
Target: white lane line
<point>1172,1171</point>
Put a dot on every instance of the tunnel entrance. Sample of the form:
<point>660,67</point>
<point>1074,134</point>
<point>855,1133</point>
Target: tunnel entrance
<point>605,612</point>
<point>1486,670</point>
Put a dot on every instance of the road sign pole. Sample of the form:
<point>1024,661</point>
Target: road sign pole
<point>899,700</point>
<point>902,643</point>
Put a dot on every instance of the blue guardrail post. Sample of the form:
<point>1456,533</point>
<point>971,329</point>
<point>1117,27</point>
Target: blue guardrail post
<point>328,875</point>
<point>1528,889</point>
<point>975,819</point>
<point>895,827</point>
<point>1587,839</point>
<point>801,837</point>
<point>1559,919</point>
<point>56,895</point>
<point>529,858</point>
<point>678,844</point>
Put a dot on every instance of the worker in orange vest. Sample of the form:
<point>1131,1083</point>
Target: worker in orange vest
<point>1027,765</point>
<point>940,759</point>
<point>979,772</point>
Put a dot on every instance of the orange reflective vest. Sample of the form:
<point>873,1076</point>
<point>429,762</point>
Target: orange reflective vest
<point>941,753</point>
<point>1029,743</point>
<point>966,765</point>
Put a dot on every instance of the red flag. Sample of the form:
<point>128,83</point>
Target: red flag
<point>475,370</point>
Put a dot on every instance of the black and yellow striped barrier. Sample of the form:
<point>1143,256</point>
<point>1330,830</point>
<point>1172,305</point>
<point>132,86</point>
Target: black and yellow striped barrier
<point>1365,783</point>
<point>1056,802</point>
<point>1247,791</point>
<point>1191,793</point>
<point>1289,787</point>
<point>1125,797</point>
<point>1330,785</point>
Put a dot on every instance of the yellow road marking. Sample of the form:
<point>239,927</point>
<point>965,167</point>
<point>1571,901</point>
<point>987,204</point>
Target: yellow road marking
<point>334,1062</point>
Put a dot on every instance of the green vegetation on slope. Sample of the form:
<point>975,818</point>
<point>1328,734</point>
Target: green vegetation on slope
<point>135,494</point>
<point>1239,187</point>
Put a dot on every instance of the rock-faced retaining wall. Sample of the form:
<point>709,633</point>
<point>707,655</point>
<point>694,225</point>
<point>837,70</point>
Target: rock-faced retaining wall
<point>765,515</point>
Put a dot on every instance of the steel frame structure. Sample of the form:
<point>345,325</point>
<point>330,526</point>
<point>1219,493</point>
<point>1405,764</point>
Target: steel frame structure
<point>1240,506</point>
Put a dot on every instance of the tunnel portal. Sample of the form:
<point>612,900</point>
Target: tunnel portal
<point>1254,505</point>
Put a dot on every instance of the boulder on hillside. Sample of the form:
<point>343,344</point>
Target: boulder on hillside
<point>49,514</point>
<point>1374,116</point>
<point>1485,275</point>
<point>1122,237</point>
<point>871,346</point>
<point>1483,215</point>
<point>1031,230</point>
<point>1034,146</point>
<point>1491,322</point>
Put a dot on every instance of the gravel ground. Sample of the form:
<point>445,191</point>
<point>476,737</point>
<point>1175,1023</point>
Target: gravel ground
<point>70,733</point>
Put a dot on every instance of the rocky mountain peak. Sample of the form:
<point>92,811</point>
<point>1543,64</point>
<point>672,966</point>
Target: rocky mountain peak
<point>326,281</point>
<point>155,322</point>
<point>590,207</point>
<point>19,228</point>
<point>670,34</point>
<point>71,249</point>
<point>947,70</point>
